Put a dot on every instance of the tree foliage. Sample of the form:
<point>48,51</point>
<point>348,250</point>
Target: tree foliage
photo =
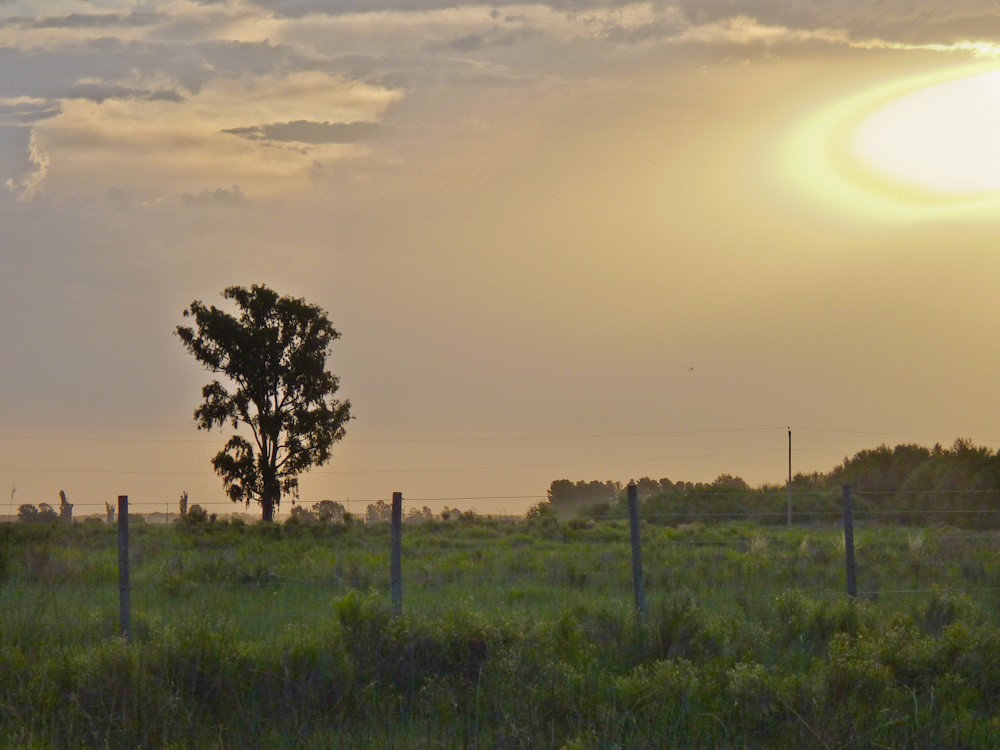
<point>275,390</point>
<point>65,508</point>
<point>907,483</point>
<point>44,513</point>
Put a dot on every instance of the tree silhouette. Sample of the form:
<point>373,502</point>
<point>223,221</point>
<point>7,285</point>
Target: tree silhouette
<point>273,355</point>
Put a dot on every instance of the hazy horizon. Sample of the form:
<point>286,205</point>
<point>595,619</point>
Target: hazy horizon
<point>561,240</point>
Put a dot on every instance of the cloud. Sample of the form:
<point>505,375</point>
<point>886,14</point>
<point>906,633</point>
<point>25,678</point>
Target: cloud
<point>84,21</point>
<point>25,110</point>
<point>302,8</point>
<point>912,21</point>
<point>99,91</point>
<point>302,84</point>
<point>743,30</point>
<point>27,185</point>
<point>495,37</point>
<point>220,197</point>
<point>305,131</point>
<point>155,66</point>
<point>139,142</point>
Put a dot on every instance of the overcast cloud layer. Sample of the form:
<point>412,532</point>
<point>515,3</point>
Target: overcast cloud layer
<point>270,93</point>
<point>526,219</point>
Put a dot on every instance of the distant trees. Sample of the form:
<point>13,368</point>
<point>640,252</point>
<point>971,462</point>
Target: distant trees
<point>419,515</point>
<point>44,513</point>
<point>328,511</point>
<point>272,355</point>
<point>568,499</point>
<point>907,483</point>
<point>65,508</point>
<point>325,512</point>
<point>378,512</point>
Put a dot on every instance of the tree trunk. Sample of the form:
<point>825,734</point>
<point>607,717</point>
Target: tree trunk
<point>267,505</point>
<point>271,498</point>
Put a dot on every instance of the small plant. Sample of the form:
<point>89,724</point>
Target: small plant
<point>758,544</point>
<point>183,504</point>
<point>695,527</point>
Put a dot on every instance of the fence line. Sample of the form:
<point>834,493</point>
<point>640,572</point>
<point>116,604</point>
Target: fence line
<point>550,578</point>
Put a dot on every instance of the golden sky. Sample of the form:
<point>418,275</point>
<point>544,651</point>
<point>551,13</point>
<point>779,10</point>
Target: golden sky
<point>574,239</point>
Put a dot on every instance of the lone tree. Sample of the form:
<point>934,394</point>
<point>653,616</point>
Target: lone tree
<point>273,355</point>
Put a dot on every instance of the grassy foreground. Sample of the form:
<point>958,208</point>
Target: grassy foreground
<point>514,636</point>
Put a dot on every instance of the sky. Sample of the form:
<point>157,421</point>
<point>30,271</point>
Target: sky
<point>576,239</point>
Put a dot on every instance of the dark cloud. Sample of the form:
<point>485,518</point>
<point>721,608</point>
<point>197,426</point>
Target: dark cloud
<point>903,21</point>
<point>300,8</point>
<point>305,131</point>
<point>99,92</point>
<point>53,74</point>
<point>25,113</point>
<point>421,70</point>
<point>85,21</point>
<point>165,95</point>
<point>661,28</point>
<point>498,37</point>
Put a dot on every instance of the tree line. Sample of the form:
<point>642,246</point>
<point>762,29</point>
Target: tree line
<point>908,483</point>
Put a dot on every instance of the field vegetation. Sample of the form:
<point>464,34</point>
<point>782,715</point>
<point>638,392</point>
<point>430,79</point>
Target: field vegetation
<point>515,634</point>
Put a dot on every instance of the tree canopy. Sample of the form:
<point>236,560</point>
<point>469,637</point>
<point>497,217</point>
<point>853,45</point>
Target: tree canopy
<point>907,483</point>
<point>276,391</point>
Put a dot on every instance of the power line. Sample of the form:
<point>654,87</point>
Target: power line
<point>406,471</point>
<point>888,434</point>
<point>581,436</point>
<point>504,438</point>
<point>545,466</point>
<point>466,439</point>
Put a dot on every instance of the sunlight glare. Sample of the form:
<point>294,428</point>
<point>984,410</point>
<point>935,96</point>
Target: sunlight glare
<point>944,138</point>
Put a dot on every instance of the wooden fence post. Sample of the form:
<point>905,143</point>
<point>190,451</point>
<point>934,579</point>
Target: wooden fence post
<point>637,585</point>
<point>396,564</point>
<point>852,569</point>
<point>124,586</point>
<point>789,477</point>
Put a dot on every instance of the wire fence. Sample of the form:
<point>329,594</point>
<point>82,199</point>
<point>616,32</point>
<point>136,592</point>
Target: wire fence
<point>60,579</point>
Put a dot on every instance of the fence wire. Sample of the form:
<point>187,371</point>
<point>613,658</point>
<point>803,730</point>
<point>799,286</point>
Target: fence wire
<point>251,579</point>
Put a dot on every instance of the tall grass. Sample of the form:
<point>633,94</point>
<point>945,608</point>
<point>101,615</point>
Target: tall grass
<point>514,636</point>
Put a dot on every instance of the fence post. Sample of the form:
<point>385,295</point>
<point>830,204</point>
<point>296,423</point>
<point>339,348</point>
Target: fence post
<point>396,564</point>
<point>852,569</point>
<point>789,477</point>
<point>633,518</point>
<point>124,586</point>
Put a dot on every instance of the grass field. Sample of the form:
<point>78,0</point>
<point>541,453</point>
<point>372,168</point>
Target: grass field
<point>514,635</point>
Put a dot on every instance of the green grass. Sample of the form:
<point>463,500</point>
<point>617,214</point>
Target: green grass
<point>514,635</point>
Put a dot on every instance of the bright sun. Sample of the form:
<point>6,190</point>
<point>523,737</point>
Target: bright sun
<point>944,138</point>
